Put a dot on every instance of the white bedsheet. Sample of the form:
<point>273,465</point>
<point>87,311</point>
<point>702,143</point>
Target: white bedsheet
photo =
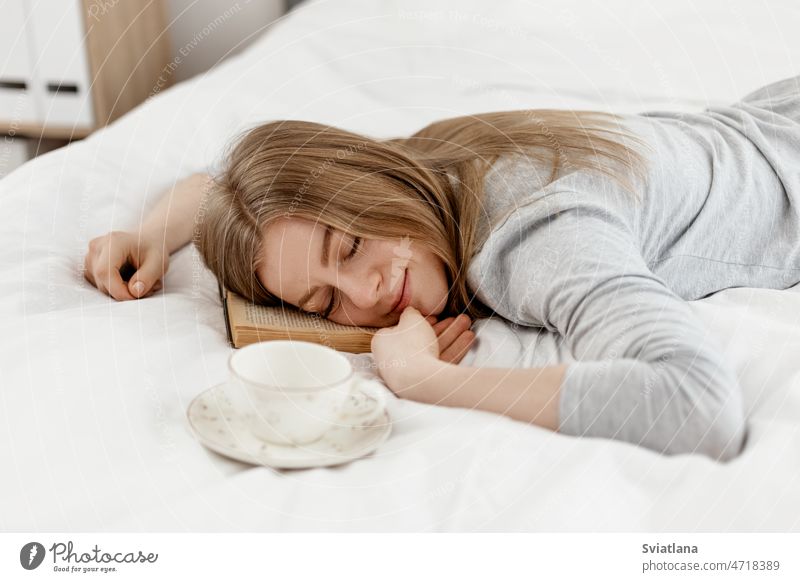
<point>93,392</point>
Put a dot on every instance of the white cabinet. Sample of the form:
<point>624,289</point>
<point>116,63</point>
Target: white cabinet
<point>16,82</point>
<point>70,66</point>
<point>61,70</point>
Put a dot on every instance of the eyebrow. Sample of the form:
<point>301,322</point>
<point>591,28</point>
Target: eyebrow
<point>326,240</point>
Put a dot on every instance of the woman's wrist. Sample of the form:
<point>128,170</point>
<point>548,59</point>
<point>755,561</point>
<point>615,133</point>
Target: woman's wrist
<point>149,233</point>
<point>420,375</point>
<point>530,395</point>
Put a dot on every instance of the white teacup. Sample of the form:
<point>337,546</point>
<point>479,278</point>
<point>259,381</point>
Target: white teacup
<point>294,391</point>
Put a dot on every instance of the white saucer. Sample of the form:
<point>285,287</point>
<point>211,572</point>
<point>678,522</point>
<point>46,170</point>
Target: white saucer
<point>220,427</point>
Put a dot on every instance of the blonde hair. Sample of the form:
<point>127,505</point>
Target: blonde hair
<point>390,189</point>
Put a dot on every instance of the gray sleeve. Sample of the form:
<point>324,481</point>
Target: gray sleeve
<point>646,372</point>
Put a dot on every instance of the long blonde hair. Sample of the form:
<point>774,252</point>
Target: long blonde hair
<point>390,189</point>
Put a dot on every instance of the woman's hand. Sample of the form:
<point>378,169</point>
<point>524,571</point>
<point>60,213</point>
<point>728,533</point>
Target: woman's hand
<point>118,251</point>
<point>403,351</point>
<point>455,337</point>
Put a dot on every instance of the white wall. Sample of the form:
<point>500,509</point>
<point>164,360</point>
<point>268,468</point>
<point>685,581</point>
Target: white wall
<point>204,32</point>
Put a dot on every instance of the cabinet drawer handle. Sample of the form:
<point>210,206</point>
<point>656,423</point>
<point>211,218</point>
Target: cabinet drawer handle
<point>62,88</point>
<point>9,84</point>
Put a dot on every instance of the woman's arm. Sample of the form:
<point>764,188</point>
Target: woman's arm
<point>525,394</point>
<point>167,227</point>
<point>411,362</point>
<point>171,222</point>
<point>645,370</point>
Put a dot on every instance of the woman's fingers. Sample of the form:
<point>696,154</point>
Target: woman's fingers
<point>459,348</point>
<point>153,289</point>
<point>450,329</point>
<point>117,288</point>
<point>107,274</point>
<point>149,270</point>
<point>439,326</point>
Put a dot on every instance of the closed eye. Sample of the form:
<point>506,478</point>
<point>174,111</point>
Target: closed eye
<point>350,255</point>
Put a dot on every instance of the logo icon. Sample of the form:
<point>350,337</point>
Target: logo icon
<point>403,254</point>
<point>31,555</point>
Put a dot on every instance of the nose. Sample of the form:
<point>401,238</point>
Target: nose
<point>362,288</point>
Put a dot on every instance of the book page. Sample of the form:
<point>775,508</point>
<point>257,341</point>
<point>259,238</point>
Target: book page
<point>247,313</point>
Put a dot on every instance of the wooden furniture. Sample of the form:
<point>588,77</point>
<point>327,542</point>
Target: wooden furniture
<point>73,66</point>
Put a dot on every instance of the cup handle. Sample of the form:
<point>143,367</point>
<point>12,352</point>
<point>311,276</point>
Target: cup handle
<point>365,403</point>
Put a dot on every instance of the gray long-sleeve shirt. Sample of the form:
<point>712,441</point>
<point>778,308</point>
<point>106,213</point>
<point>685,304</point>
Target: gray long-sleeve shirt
<point>581,257</point>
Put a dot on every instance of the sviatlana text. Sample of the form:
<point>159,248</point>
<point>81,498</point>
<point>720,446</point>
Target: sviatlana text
<point>668,549</point>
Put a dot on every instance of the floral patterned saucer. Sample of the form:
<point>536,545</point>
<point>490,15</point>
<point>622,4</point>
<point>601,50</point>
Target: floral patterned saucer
<point>220,427</point>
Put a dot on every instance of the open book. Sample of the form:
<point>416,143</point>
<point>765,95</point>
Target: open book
<point>249,323</point>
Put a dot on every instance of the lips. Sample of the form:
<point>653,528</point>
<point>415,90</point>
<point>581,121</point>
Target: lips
<point>403,300</point>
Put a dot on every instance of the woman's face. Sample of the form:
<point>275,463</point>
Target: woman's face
<point>363,288</point>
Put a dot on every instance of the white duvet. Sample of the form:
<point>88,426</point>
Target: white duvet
<point>93,392</point>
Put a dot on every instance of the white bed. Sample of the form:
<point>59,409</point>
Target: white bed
<point>93,392</point>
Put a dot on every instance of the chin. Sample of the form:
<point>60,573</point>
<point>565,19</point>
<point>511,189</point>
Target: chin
<point>437,309</point>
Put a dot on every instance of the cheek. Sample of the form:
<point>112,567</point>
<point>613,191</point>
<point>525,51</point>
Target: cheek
<point>435,266</point>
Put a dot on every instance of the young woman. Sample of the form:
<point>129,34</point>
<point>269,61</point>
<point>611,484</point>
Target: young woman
<point>595,226</point>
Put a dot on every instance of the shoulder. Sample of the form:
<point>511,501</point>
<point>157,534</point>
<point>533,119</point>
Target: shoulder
<point>554,213</point>
<point>512,182</point>
<point>562,242</point>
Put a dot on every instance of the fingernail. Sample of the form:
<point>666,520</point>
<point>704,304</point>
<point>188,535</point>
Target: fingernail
<point>138,287</point>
